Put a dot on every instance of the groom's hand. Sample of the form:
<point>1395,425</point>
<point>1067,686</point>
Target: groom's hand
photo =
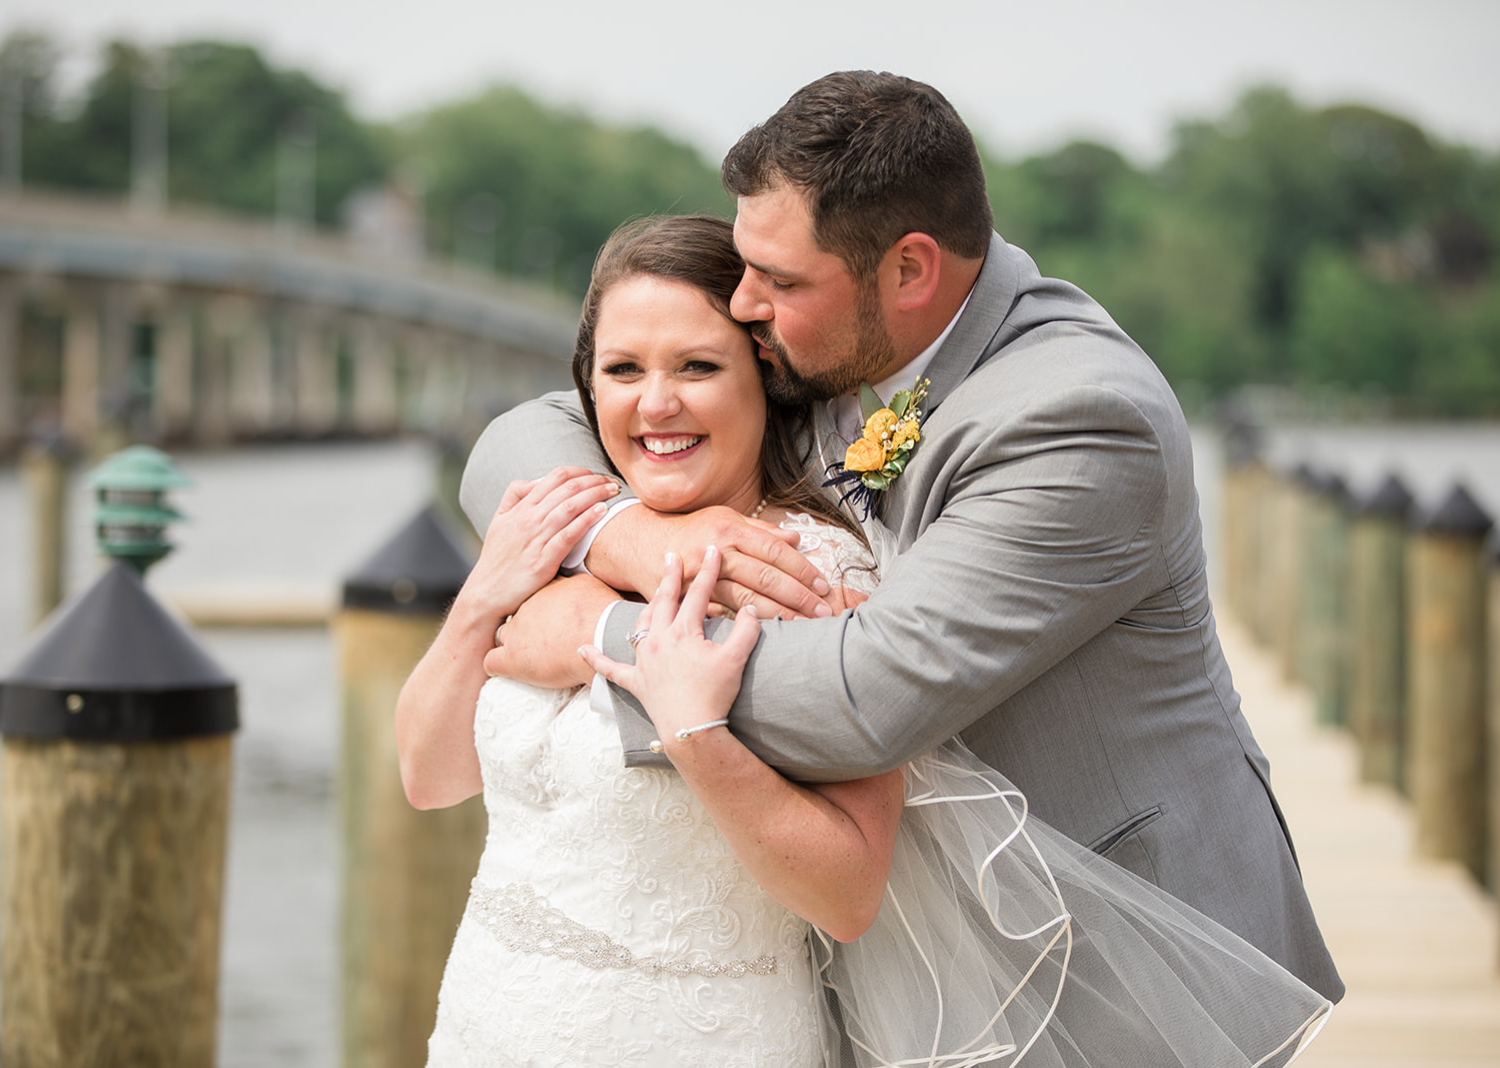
<point>761,565</point>
<point>539,643</point>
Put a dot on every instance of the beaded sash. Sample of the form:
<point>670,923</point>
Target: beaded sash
<point>523,921</point>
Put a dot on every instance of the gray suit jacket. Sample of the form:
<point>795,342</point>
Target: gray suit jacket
<point>1049,605</point>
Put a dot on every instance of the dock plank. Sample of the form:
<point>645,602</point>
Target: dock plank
<point>1415,939</point>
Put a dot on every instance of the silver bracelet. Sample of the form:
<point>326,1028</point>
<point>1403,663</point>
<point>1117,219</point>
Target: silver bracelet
<point>683,734</point>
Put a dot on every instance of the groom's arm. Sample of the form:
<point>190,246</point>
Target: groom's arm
<point>760,562</point>
<point>1047,534</point>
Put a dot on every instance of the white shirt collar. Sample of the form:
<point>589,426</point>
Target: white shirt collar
<point>846,407</point>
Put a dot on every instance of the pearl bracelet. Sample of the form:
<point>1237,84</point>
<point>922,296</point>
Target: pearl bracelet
<point>683,734</point>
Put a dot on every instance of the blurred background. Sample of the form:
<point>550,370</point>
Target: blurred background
<point>312,247</point>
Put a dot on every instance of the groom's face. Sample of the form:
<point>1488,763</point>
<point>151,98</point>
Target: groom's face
<point>820,330</point>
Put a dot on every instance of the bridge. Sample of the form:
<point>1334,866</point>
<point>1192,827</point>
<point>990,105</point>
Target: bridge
<point>182,327</point>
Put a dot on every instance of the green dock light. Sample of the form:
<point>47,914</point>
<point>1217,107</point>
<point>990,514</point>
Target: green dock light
<point>132,514</point>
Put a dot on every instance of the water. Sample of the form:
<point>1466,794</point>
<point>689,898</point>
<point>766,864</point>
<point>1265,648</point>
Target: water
<point>301,518</point>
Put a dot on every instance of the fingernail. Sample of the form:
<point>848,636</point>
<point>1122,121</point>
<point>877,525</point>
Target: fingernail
<point>821,587</point>
<point>822,611</point>
<point>583,651</point>
<point>600,508</point>
<point>614,487</point>
<point>751,609</point>
<point>712,550</point>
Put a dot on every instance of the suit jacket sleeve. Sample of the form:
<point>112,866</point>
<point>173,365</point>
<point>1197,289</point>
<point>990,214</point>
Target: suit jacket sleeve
<point>527,442</point>
<point>1036,527</point>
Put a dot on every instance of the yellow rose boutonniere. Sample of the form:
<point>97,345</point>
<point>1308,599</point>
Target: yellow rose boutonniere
<point>879,455</point>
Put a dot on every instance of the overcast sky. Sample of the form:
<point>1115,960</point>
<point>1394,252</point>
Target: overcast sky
<point>1026,76</point>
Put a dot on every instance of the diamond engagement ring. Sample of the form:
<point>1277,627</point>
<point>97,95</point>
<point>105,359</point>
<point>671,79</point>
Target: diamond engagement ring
<point>636,637</point>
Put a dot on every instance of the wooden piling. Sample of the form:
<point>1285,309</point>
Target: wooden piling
<point>1240,542</point>
<point>1492,675</point>
<point>114,798</point>
<point>1324,636</point>
<point>1447,622</point>
<point>1290,571</point>
<point>44,469</point>
<point>406,873</point>
<point>1377,630</point>
<point>111,892</point>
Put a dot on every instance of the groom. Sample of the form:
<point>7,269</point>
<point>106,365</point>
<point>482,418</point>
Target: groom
<point>1049,604</point>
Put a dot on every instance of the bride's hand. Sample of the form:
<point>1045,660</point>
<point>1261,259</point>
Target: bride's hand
<point>683,678</point>
<point>536,525</point>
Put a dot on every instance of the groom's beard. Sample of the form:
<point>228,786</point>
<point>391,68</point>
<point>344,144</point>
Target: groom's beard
<point>873,352</point>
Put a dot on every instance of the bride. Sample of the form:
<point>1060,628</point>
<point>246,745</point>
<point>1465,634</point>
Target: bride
<point>639,916</point>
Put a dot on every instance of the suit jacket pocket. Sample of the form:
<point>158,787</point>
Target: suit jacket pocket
<point>1123,846</point>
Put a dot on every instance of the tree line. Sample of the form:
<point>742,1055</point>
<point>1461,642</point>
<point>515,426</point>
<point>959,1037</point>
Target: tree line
<point>1315,248</point>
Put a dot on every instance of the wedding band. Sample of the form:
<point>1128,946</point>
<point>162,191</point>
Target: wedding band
<point>499,641</point>
<point>636,637</point>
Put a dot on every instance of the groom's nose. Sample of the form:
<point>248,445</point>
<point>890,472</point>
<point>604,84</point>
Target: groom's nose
<point>748,304</point>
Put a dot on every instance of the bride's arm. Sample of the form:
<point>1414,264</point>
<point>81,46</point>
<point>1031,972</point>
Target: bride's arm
<point>533,528</point>
<point>824,851</point>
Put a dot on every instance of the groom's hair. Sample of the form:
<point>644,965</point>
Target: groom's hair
<point>877,156</point>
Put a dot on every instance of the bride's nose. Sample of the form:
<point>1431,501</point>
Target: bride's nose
<point>659,399</point>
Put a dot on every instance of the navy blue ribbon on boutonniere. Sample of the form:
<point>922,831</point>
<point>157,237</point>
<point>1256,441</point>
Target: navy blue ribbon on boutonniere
<point>875,459</point>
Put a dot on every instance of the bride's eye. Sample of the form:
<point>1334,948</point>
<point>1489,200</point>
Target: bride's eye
<point>620,369</point>
<point>700,367</point>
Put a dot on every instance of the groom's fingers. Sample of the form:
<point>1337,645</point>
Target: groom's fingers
<point>763,570</point>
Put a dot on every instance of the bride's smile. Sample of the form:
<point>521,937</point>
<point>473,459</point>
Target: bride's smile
<point>678,396</point>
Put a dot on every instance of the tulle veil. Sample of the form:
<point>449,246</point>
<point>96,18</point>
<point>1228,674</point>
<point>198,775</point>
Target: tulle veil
<point>1001,941</point>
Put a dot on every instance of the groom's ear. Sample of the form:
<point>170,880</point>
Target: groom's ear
<point>918,262</point>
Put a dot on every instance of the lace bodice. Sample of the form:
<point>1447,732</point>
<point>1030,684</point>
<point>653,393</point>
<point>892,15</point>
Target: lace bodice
<point>609,922</point>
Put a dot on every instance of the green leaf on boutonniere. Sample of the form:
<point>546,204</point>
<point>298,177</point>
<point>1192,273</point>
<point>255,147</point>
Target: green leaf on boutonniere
<point>900,402</point>
<point>869,401</point>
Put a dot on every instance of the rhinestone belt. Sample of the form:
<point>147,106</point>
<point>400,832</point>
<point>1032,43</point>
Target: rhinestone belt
<point>523,920</point>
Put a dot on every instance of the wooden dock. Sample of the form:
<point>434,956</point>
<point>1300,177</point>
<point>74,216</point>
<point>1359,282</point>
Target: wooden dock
<point>1416,940</point>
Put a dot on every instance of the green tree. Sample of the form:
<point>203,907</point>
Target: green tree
<point>230,116</point>
<point>518,186</point>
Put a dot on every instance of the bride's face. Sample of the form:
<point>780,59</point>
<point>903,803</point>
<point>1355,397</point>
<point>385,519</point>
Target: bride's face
<point>678,395</point>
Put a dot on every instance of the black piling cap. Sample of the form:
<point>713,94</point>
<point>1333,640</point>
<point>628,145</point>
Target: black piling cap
<point>113,665</point>
<point>1458,515</point>
<point>1334,488</point>
<point>1391,498</point>
<point>419,571</point>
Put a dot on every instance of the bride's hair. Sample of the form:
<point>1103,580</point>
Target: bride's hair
<point>699,250</point>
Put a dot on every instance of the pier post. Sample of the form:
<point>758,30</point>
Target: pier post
<point>1377,630</point>
<point>1493,690</point>
<point>406,873</point>
<point>44,469</point>
<point>1290,538</point>
<point>1446,758</point>
<point>1324,641</point>
<point>114,802</point>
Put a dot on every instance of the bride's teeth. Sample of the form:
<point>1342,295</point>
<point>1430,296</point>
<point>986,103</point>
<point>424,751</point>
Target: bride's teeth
<point>666,448</point>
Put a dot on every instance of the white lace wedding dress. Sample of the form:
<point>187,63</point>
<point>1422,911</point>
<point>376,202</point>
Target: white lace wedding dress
<point>609,922</point>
